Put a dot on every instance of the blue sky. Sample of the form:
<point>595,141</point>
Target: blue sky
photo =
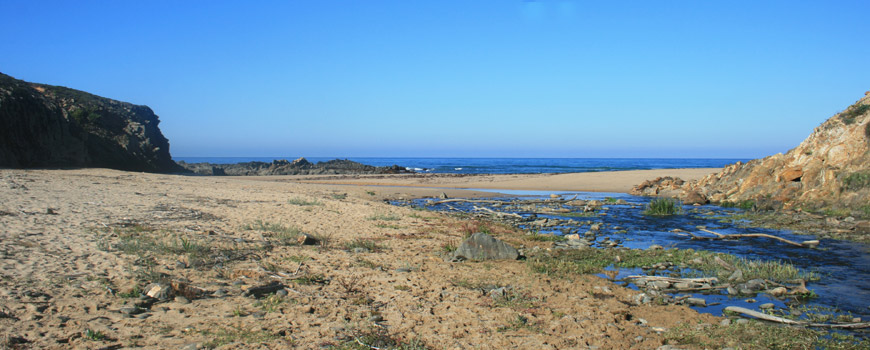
<point>549,78</point>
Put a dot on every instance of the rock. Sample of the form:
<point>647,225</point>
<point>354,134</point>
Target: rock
<point>220,293</point>
<point>731,290</point>
<point>555,196</point>
<point>376,318</point>
<point>742,321</point>
<point>360,250</point>
<point>642,298</point>
<point>736,276</point>
<point>696,302</point>
<point>306,239</point>
<point>777,292</point>
<point>572,237</point>
<point>191,346</point>
<point>262,290</point>
<point>281,293</point>
<point>659,285</point>
<point>130,310</point>
<point>684,285</point>
<point>725,322</point>
<point>694,197</point>
<point>595,227</point>
<point>52,126</point>
<point>182,300</point>
<point>756,284</point>
<point>656,247</point>
<point>766,306</point>
<point>443,196</point>
<point>481,246</point>
<point>815,174</point>
<point>158,291</point>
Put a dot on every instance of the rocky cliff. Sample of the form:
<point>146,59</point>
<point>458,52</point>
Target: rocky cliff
<point>299,166</point>
<point>50,126</point>
<point>829,170</point>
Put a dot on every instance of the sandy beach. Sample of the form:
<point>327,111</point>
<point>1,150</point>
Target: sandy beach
<point>609,181</point>
<point>79,246</point>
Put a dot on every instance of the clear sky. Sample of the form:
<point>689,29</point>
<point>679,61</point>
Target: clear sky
<point>505,78</point>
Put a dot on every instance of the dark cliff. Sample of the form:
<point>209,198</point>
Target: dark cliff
<point>46,126</point>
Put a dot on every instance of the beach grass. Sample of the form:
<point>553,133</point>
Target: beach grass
<point>663,207</point>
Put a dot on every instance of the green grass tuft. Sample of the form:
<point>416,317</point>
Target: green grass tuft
<point>663,207</point>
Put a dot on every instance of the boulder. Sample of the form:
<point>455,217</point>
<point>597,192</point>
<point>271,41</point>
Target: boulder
<point>481,246</point>
<point>694,197</point>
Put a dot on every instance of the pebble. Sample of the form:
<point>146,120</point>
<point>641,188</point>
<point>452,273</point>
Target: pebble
<point>130,310</point>
<point>656,247</point>
<point>220,293</point>
<point>742,321</point>
<point>725,322</point>
<point>750,300</point>
<point>182,300</point>
<point>191,346</point>
<point>281,293</point>
<point>376,318</point>
<point>638,338</point>
<point>360,250</point>
<point>766,306</point>
<point>239,283</point>
<point>696,302</point>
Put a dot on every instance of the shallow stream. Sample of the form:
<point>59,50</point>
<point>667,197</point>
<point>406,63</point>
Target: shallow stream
<point>844,267</point>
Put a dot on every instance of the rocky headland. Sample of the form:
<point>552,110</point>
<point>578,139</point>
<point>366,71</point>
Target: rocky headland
<point>299,166</point>
<point>829,172</point>
<point>46,126</point>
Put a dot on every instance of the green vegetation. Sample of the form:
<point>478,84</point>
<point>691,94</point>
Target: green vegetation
<point>369,244</point>
<point>759,335</point>
<point>378,338</point>
<point>83,116</point>
<point>384,217</point>
<point>610,200</point>
<point>519,323</point>
<point>566,264</point>
<point>90,334</point>
<point>284,234</point>
<point>303,202</point>
<point>745,205</point>
<point>545,237</point>
<point>516,300</point>
<point>848,116</point>
<point>856,181</point>
<point>311,279</point>
<point>236,334</point>
<point>272,303</point>
<point>663,207</point>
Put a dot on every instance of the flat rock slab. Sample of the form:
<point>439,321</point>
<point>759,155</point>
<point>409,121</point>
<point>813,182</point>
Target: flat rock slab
<point>481,246</point>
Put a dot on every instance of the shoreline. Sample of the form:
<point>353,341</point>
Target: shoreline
<point>606,181</point>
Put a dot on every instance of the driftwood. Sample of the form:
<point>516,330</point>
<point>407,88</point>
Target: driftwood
<point>496,213</point>
<point>771,318</point>
<point>804,244</point>
<point>675,280</point>
<point>489,201</point>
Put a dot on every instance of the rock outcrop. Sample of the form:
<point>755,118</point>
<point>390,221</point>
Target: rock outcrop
<point>44,126</point>
<point>481,246</point>
<point>299,166</point>
<point>830,169</point>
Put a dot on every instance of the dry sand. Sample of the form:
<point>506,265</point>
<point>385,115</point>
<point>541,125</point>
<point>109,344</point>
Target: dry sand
<point>609,181</point>
<point>69,255</point>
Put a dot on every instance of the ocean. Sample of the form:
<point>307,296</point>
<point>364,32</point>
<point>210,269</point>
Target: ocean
<point>502,165</point>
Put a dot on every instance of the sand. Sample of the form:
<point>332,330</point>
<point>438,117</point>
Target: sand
<point>609,181</point>
<point>69,264</point>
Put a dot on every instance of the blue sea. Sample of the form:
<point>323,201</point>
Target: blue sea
<point>502,165</point>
